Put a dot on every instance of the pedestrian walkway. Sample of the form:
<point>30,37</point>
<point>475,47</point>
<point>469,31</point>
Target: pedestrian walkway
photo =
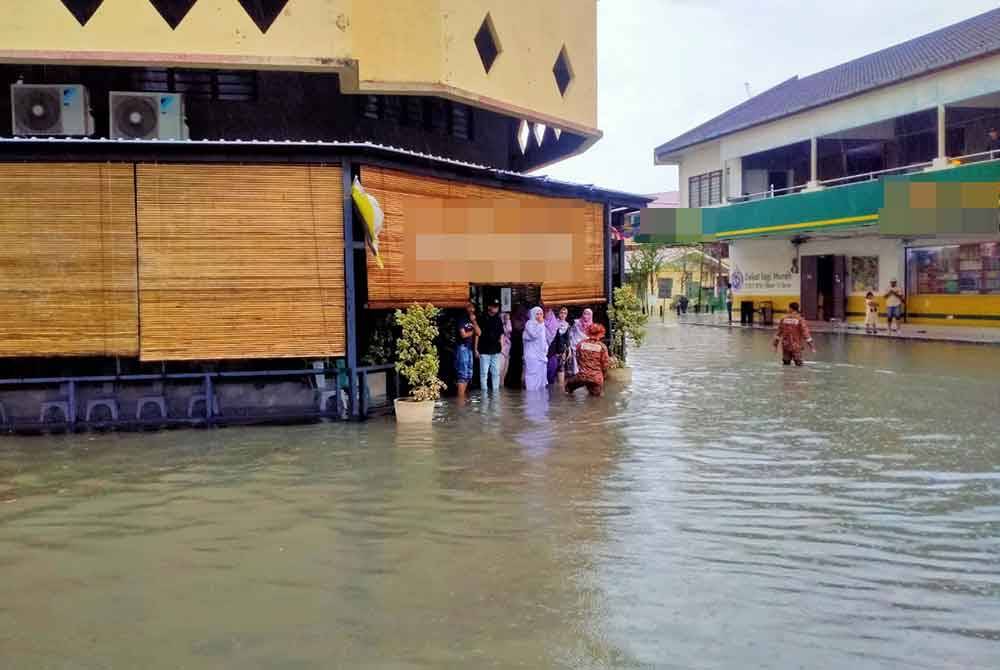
<point>907,332</point>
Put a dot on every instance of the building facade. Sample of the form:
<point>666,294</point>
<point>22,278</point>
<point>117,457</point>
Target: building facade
<point>179,240</point>
<point>829,186</point>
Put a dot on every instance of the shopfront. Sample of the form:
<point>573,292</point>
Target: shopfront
<point>955,283</point>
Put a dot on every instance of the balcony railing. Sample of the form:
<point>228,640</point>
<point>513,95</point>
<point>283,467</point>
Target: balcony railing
<point>850,179</point>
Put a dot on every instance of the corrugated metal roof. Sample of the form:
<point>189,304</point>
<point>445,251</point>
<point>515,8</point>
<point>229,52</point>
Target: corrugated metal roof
<point>582,190</point>
<point>947,47</point>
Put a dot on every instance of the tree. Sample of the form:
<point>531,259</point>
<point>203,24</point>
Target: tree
<point>628,321</point>
<point>644,264</point>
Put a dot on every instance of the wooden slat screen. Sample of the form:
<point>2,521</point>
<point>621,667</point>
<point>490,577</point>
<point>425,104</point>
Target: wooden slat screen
<point>240,261</point>
<point>389,288</point>
<point>67,260</point>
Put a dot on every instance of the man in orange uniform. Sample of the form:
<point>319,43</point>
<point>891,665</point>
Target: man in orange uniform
<point>793,333</point>
<point>592,361</point>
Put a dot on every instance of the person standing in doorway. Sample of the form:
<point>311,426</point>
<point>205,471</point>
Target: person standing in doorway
<point>468,331</point>
<point>490,346</point>
<point>894,302</point>
<point>793,333</point>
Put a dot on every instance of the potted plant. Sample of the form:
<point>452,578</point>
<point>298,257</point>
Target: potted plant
<point>628,322</point>
<point>417,361</point>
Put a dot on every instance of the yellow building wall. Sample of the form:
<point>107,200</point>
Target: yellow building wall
<point>390,46</point>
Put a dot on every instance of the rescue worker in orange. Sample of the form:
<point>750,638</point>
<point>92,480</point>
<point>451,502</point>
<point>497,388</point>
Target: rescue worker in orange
<point>793,334</point>
<point>592,361</point>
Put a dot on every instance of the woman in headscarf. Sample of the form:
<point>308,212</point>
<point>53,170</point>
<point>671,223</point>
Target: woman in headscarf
<point>536,348</point>
<point>559,348</point>
<point>578,334</point>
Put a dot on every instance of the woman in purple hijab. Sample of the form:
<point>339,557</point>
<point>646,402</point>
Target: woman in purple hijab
<point>536,351</point>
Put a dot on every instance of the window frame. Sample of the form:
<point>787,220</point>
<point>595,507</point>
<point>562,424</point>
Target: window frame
<point>705,189</point>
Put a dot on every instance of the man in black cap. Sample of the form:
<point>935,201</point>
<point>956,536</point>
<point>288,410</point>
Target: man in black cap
<point>490,346</point>
<point>993,140</point>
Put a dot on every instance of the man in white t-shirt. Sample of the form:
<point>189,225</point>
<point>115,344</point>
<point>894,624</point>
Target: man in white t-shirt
<point>894,301</point>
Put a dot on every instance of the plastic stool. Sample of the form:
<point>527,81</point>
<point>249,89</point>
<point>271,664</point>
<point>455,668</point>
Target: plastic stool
<point>157,400</point>
<point>200,397</point>
<point>110,403</point>
<point>61,405</point>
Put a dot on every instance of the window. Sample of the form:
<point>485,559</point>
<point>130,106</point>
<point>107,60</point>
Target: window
<point>705,189</point>
<point>954,269</point>
<point>233,85</point>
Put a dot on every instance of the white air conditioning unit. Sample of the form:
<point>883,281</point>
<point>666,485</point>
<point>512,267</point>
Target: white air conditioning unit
<point>147,116</point>
<point>50,109</point>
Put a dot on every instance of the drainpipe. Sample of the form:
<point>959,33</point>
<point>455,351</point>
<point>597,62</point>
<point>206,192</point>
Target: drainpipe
<point>941,161</point>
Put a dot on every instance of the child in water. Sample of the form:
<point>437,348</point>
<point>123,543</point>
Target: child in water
<point>871,314</point>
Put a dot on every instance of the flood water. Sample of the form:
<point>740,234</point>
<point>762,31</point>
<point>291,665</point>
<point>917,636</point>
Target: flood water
<point>722,512</point>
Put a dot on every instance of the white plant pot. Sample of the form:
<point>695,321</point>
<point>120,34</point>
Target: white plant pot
<point>620,375</point>
<point>414,411</point>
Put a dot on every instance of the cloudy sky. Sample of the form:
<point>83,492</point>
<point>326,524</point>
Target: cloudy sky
<point>666,66</point>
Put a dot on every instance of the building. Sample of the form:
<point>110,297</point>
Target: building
<point>178,239</point>
<point>831,185</point>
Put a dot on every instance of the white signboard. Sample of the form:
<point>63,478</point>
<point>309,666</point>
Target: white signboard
<point>764,269</point>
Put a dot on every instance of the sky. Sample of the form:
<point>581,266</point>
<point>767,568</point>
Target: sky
<point>666,66</point>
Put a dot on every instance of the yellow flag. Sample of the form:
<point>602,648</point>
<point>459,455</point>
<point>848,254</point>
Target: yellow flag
<point>371,214</point>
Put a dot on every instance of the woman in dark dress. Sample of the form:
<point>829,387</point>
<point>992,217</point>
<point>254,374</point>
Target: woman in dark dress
<point>515,365</point>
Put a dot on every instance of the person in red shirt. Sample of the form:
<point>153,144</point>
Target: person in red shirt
<point>592,361</point>
<point>793,333</point>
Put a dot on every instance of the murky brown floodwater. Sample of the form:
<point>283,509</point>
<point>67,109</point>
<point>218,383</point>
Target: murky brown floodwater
<point>724,512</point>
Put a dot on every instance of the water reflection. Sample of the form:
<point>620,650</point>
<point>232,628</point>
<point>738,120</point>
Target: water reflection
<point>721,512</point>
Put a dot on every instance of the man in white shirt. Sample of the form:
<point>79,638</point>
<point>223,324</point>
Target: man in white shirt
<point>894,301</point>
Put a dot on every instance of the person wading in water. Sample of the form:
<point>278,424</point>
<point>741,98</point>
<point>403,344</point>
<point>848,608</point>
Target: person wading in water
<point>793,333</point>
<point>592,361</point>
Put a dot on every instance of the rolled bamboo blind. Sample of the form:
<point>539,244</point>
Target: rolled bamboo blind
<point>389,287</point>
<point>68,259</point>
<point>240,261</point>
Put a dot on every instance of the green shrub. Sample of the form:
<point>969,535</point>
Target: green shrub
<point>416,354</point>
<point>628,322</point>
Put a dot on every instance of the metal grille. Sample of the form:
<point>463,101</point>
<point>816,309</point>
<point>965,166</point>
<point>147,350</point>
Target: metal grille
<point>233,85</point>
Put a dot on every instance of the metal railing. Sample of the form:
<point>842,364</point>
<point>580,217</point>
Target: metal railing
<point>358,398</point>
<point>842,181</point>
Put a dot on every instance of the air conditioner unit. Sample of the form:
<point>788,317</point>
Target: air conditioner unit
<point>147,116</point>
<point>50,109</point>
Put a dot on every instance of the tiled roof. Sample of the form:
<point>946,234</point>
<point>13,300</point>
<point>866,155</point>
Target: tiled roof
<point>947,47</point>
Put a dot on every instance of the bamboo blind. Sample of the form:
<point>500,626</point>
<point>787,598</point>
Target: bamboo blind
<point>240,261</point>
<point>67,251</point>
<point>389,287</point>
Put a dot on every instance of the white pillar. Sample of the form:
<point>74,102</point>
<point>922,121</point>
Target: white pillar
<point>941,161</point>
<point>813,184</point>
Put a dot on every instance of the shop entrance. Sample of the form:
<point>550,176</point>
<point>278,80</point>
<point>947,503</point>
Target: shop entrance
<point>509,296</point>
<point>823,292</point>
